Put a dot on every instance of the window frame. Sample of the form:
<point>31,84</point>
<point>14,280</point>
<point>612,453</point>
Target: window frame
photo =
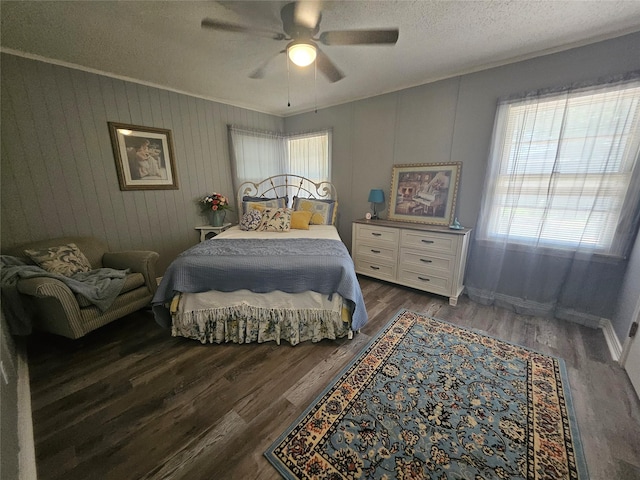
<point>501,166</point>
<point>249,148</point>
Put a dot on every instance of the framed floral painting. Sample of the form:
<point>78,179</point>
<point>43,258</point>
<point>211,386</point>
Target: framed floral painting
<point>144,157</point>
<point>424,192</point>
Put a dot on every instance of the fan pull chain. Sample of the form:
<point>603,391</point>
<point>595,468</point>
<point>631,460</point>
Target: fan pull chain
<point>288,84</point>
<point>315,83</point>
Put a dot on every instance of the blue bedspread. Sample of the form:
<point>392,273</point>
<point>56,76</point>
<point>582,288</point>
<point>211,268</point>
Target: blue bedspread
<point>290,265</point>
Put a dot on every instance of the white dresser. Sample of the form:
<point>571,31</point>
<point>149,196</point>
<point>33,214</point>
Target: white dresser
<point>426,257</point>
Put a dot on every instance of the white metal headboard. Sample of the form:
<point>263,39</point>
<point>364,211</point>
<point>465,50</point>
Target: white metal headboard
<point>284,185</point>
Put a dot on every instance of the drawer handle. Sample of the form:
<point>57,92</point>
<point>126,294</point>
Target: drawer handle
<point>375,234</point>
<point>374,268</point>
<point>423,279</point>
<point>375,251</point>
<point>427,241</point>
<point>426,261</point>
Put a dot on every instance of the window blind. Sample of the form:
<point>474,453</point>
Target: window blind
<point>564,165</point>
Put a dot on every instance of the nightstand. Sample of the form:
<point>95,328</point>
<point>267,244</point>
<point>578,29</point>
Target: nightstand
<point>208,231</point>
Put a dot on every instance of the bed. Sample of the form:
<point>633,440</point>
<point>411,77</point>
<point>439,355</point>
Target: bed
<point>250,285</point>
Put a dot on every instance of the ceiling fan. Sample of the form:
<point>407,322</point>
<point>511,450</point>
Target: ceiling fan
<point>301,24</point>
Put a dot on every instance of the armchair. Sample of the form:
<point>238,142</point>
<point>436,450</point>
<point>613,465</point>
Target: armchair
<point>58,310</point>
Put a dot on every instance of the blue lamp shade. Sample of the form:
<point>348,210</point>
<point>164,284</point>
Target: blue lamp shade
<point>376,196</point>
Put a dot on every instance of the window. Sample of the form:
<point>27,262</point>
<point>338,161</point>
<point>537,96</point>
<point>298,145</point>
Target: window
<point>562,168</point>
<point>259,155</point>
<point>308,155</point>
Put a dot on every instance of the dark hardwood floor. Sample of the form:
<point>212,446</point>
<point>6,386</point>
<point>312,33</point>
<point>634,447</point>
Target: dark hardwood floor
<point>130,402</point>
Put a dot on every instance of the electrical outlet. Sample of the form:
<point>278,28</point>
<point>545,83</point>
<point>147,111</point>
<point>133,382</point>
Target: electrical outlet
<point>4,374</point>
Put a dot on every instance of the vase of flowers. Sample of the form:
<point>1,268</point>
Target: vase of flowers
<point>215,206</point>
<point>216,218</point>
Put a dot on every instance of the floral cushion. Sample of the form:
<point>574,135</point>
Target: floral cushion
<point>276,220</point>
<point>64,260</point>
<point>251,220</point>
<point>323,212</point>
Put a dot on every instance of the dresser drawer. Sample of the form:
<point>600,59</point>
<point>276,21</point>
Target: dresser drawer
<point>379,234</point>
<point>377,252</point>
<point>424,281</point>
<point>431,241</point>
<point>384,271</point>
<point>427,262</point>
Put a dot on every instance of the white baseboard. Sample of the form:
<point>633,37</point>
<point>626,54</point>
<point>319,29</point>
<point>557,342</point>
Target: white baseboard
<point>593,321</point>
<point>586,319</point>
<point>27,453</point>
<point>615,348</point>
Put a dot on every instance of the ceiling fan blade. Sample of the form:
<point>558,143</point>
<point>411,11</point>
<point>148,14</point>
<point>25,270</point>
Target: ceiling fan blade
<point>326,66</point>
<point>307,13</point>
<point>259,72</point>
<point>360,37</point>
<point>233,27</point>
<point>301,19</point>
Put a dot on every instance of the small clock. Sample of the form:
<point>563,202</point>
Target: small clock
<point>367,216</point>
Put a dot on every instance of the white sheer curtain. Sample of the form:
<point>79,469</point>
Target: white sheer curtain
<point>309,155</point>
<point>256,155</point>
<point>560,205</point>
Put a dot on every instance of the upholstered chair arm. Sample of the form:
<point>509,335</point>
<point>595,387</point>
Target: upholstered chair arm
<point>57,301</point>
<point>140,261</point>
<point>45,287</point>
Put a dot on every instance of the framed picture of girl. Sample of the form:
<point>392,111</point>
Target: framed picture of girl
<point>144,157</point>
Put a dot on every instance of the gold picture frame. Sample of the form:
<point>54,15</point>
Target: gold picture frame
<point>144,157</point>
<point>424,192</point>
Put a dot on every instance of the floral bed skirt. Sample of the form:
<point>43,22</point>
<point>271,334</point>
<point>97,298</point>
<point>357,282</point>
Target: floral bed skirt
<point>246,317</point>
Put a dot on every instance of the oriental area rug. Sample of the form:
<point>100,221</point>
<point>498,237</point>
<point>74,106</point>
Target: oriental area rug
<point>429,400</point>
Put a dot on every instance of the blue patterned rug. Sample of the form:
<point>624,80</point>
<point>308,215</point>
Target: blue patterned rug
<point>429,400</point>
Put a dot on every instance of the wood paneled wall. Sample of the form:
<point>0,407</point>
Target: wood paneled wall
<point>58,170</point>
<point>446,121</point>
<point>452,121</point>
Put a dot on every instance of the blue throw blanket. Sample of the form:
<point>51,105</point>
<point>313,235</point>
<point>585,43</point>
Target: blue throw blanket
<point>291,265</point>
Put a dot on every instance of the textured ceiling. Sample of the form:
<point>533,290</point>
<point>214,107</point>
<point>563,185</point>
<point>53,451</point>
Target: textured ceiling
<point>161,43</point>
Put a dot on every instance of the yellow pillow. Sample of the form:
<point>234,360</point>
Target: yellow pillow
<point>259,206</point>
<point>300,220</point>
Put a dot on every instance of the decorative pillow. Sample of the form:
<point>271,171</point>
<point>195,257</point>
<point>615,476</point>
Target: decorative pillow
<point>63,260</point>
<point>253,207</point>
<point>248,198</point>
<point>251,220</point>
<point>323,212</point>
<point>300,220</point>
<point>262,204</point>
<point>276,220</point>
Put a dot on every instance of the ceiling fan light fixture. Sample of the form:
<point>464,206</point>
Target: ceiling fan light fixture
<point>302,54</point>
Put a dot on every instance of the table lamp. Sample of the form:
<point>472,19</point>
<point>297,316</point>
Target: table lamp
<point>376,196</point>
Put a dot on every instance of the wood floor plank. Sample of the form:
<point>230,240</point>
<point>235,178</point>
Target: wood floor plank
<point>210,442</point>
<point>129,401</point>
<point>321,374</point>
